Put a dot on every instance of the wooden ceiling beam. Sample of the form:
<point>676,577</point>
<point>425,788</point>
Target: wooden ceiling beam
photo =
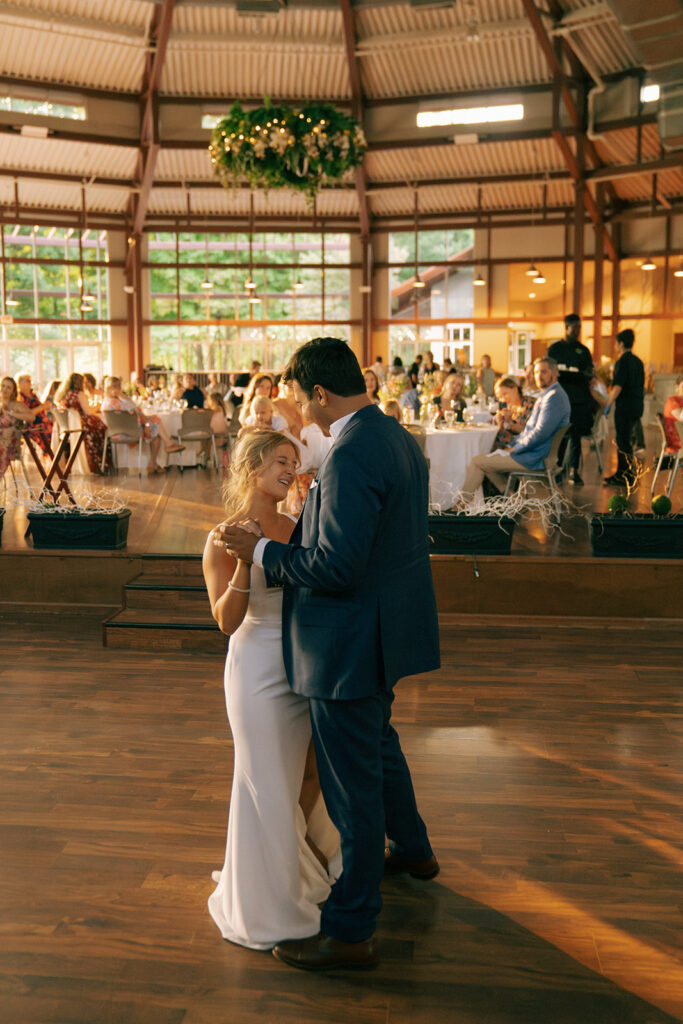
<point>149,115</point>
<point>357,106</point>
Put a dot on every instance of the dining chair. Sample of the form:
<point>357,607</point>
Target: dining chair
<point>547,475</point>
<point>122,428</point>
<point>673,457</point>
<point>196,426</point>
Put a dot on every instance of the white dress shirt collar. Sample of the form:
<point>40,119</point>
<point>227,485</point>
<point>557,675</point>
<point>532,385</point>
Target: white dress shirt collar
<point>338,425</point>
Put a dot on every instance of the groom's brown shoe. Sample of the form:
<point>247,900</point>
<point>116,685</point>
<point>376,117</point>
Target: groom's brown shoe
<point>322,953</point>
<point>422,869</point>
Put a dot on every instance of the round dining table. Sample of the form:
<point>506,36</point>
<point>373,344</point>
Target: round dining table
<point>450,451</point>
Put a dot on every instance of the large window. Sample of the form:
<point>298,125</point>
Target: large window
<point>430,284</point>
<point>217,301</point>
<point>54,293</point>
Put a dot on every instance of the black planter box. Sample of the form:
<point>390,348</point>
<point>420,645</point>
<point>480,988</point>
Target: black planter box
<point>73,529</point>
<point>640,535</point>
<point>453,534</point>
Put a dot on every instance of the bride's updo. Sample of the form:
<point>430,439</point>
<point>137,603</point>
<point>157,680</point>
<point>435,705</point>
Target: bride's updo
<point>248,456</point>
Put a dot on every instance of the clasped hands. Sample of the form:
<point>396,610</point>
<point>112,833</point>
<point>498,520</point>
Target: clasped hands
<point>239,537</point>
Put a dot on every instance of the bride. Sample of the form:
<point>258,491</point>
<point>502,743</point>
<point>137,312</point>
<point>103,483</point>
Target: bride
<point>281,844</point>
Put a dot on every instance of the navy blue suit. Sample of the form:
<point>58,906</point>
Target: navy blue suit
<point>358,614</point>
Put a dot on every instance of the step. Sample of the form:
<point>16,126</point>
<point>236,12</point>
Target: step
<point>183,566</point>
<point>166,593</point>
<point>164,629</point>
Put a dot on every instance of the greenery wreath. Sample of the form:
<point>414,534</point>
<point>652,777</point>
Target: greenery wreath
<point>301,148</point>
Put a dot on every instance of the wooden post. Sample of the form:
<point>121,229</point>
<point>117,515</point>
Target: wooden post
<point>616,280</point>
<point>599,275</point>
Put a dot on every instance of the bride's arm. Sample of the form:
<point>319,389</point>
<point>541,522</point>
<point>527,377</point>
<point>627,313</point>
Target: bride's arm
<point>228,583</point>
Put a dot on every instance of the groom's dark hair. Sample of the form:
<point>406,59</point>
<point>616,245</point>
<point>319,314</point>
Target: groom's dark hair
<point>328,362</point>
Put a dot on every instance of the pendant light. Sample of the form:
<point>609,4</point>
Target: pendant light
<point>479,281</point>
<point>532,271</point>
<point>207,283</point>
<point>678,272</point>
<point>648,265</point>
<point>539,279</point>
<point>250,284</point>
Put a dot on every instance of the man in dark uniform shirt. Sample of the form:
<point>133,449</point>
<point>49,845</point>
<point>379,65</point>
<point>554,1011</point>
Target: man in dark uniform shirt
<point>575,364</point>
<point>627,396</point>
<point>193,394</point>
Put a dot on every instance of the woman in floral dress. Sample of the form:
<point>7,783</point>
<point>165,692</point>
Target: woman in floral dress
<point>12,414</point>
<point>72,396</point>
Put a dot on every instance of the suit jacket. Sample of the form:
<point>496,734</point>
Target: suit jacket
<point>358,609</point>
<point>550,412</point>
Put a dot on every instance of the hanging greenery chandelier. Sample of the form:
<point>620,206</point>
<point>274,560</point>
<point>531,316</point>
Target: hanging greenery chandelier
<point>301,147</point>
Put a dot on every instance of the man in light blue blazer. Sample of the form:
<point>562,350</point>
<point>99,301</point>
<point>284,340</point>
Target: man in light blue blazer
<point>359,613</point>
<point>551,411</point>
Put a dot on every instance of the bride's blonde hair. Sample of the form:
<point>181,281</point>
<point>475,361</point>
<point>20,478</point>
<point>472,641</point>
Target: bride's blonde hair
<point>248,456</point>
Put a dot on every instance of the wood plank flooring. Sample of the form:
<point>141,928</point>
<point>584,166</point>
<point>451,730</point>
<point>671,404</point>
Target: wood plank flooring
<point>548,767</point>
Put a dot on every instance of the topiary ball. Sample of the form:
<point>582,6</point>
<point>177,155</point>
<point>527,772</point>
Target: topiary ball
<point>661,505</point>
<point>617,504</point>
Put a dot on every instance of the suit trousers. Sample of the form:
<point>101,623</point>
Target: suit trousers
<point>625,420</point>
<point>495,467</point>
<point>368,791</point>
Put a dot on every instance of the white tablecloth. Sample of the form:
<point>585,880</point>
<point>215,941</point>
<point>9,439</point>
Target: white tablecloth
<point>450,453</point>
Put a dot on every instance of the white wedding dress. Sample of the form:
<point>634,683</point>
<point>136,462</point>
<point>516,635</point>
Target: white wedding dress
<point>271,882</point>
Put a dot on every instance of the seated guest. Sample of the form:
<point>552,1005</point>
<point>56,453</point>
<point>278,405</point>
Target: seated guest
<point>72,396</point>
<point>260,385</point>
<point>529,382</point>
<point>154,431</point>
<point>262,414</point>
<point>285,406</point>
<point>379,369</point>
<point>219,419</point>
<point>178,387</point>
<point>451,398</point>
<point>448,365</point>
<point>673,413</point>
<point>41,428</point>
<point>213,385</point>
<point>312,446</point>
<point>515,410</point>
<point>237,384</point>
<point>428,366</point>
<point>409,399</point>
<point>13,414</point>
<point>92,392</point>
<point>392,408</point>
<point>193,394</point>
<point>531,447</point>
<point>371,385</point>
<point>397,367</point>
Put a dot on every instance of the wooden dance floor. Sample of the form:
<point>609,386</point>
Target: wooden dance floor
<point>548,767</point>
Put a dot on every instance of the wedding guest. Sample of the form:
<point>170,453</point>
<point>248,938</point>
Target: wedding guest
<point>529,382</point>
<point>576,372</point>
<point>213,385</point>
<point>154,431</point>
<point>72,396</point>
<point>409,399</point>
<point>428,366</point>
<point>262,414</point>
<point>286,406</point>
<point>312,446</point>
<point>379,369</point>
<point>531,447</point>
<point>627,396</point>
<point>397,367</point>
<point>177,387</point>
<point>451,398</point>
<point>193,394</point>
<point>392,408</point>
<point>255,367</point>
<point>486,376</point>
<point>673,413</point>
<point>136,388</point>
<point>515,410</point>
<point>448,365</point>
<point>92,392</point>
<point>41,428</point>
<point>237,384</point>
<point>220,426</point>
<point>371,385</point>
<point>13,414</point>
<point>261,384</point>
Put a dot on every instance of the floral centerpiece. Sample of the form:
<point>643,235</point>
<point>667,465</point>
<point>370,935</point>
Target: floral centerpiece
<point>393,388</point>
<point>301,147</point>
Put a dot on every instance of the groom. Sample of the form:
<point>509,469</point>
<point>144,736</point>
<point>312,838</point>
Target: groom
<point>358,614</point>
